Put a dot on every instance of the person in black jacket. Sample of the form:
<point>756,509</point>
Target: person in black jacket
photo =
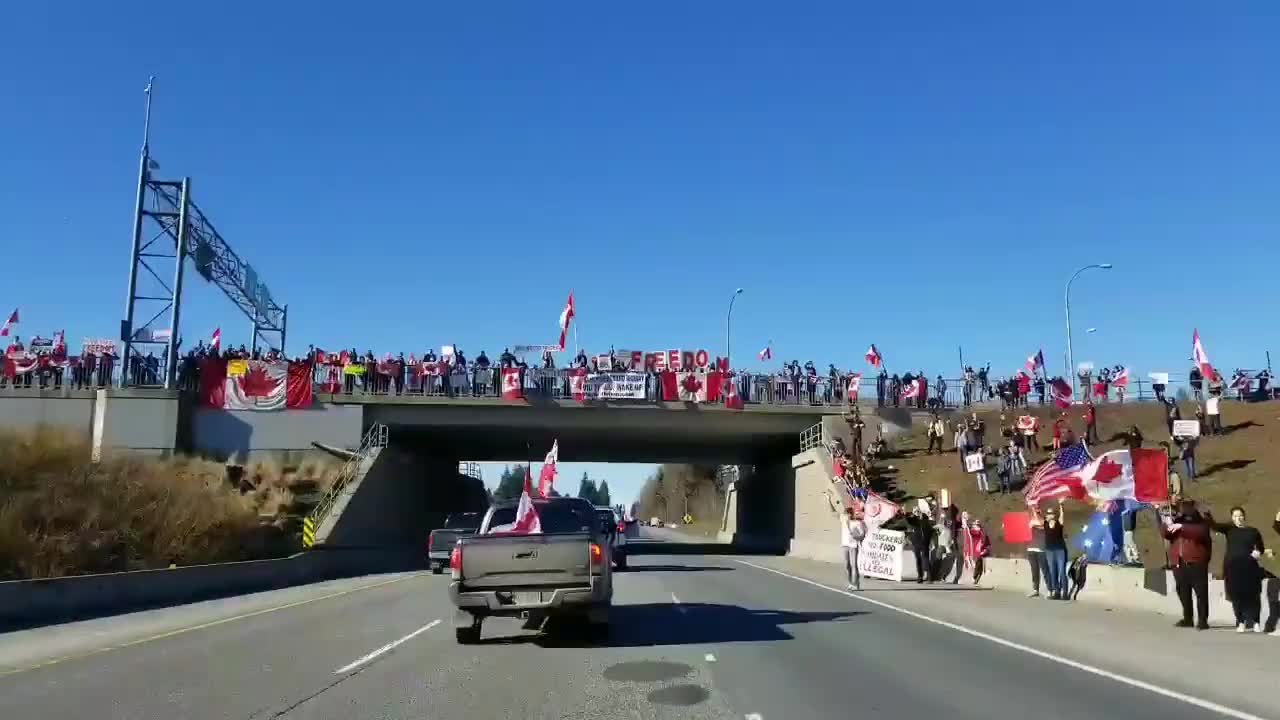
<point>921,534</point>
<point>1241,573</point>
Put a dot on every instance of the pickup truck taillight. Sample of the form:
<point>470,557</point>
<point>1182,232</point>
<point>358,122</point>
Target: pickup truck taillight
<point>597,555</point>
<point>622,526</point>
<point>431,539</point>
<point>455,562</point>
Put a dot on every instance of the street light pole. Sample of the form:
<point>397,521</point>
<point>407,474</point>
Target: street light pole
<point>1071,358</point>
<point>727,320</point>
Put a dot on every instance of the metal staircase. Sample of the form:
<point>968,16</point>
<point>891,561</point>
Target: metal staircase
<point>325,515</point>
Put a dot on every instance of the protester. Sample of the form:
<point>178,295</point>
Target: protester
<point>936,430</point>
<point>1090,422</point>
<point>921,534</point>
<point>1190,547</point>
<point>852,531</point>
<point>1241,573</point>
<point>1213,413</point>
<point>979,548</point>
<point>1187,453</point>
<point>1055,551</point>
<point>1036,559</point>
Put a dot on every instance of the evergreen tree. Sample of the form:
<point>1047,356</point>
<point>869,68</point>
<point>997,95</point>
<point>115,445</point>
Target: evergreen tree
<point>602,494</point>
<point>587,489</point>
<point>511,484</point>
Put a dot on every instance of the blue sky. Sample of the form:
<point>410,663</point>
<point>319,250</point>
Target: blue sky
<point>920,177</point>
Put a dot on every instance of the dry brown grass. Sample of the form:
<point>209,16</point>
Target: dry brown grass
<point>1238,468</point>
<point>61,514</point>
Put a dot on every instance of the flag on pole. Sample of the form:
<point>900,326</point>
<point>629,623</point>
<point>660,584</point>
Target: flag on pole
<point>1121,379</point>
<point>873,356</point>
<point>1035,362</point>
<point>876,511</point>
<point>565,316</point>
<point>215,340</point>
<point>13,320</point>
<point>1197,352</point>
<point>547,475</point>
<point>527,521</point>
<point>1139,474</point>
<point>766,353</point>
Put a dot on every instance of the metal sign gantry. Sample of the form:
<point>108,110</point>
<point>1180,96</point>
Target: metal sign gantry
<point>168,225</point>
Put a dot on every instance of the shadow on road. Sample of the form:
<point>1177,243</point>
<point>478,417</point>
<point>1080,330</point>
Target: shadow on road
<point>657,624</point>
<point>662,547</point>
<point>674,568</point>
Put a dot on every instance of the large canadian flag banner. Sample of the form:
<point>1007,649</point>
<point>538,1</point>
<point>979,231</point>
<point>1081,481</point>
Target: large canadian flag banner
<point>255,384</point>
<point>691,386</point>
<point>511,387</point>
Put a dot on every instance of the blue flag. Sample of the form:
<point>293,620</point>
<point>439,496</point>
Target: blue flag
<point>1102,537</point>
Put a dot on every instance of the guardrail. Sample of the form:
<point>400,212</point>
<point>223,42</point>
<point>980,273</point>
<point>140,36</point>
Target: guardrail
<point>811,437</point>
<point>376,437</point>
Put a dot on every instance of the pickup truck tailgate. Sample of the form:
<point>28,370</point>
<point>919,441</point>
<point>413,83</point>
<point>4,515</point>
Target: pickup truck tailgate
<point>525,561</point>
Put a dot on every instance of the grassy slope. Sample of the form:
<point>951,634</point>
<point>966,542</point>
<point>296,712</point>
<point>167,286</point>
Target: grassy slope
<point>60,514</point>
<point>1239,468</point>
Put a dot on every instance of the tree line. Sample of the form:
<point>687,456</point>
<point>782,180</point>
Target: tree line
<point>511,484</point>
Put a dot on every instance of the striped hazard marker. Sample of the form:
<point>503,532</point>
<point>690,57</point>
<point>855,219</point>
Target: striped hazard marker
<point>308,532</point>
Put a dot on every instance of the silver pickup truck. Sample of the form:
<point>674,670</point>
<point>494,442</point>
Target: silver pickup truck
<point>564,571</point>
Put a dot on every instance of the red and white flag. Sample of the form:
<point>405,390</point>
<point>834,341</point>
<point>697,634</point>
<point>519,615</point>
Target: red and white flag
<point>766,353</point>
<point>877,511</point>
<point>698,387</point>
<point>1121,379</point>
<point>851,390</point>
<point>565,316</point>
<point>1197,352</point>
<point>256,384</point>
<point>547,475</point>
<point>873,356</point>
<point>527,521</point>
<point>13,320</point>
<point>578,383</point>
<point>511,387</point>
<point>215,340</point>
<point>1140,474</point>
<point>1062,394</point>
<point>912,389</point>
<point>732,400</point>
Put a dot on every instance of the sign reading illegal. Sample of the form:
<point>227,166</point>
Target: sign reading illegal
<point>881,555</point>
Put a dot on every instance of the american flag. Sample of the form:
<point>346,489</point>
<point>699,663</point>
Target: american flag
<point>1058,477</point>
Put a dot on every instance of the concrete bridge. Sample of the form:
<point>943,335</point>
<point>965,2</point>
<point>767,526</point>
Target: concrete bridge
<point>782,494</point>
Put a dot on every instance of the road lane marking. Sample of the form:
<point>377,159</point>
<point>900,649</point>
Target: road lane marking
<point>386,648</point>
<point>201,626</point>
<point>680,608</point>
<point>709,657</point>
<point>754,716</point>
<point>1131,682</point>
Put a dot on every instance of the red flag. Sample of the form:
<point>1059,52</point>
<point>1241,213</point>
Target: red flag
<point>731,398</point>
<point>851,392</point>
<point>13,320</point>
<point>511,387</point>
<point>1062,395</point>
<point>1197,352</point>
<point>1121,379</point>
<point>565,316</point>
<point>876,511</point>
<point>912,389</point>
<point>1016,526</point>
<point>215,340</point>
<point>527,521</point>
<point>547,475</point>
<point>873,356</point>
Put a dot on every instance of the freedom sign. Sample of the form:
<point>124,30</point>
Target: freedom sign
<point>881,555</point>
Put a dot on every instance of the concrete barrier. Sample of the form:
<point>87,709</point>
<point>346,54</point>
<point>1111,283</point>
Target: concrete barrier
<point>25,603</point>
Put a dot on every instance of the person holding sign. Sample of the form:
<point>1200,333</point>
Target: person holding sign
<point>852,532</point>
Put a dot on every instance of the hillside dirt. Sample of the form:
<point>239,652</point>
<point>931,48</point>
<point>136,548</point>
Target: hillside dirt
<point>1241,467</point>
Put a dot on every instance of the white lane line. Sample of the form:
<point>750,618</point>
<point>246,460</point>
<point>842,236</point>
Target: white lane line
<point>682,610</point>
<point>1172,694</point>
<point>754,716</point>
<point>386,648</point>
<point>709,657</point>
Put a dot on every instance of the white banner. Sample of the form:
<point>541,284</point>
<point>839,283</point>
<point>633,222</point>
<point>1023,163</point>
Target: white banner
<point>881,555</point>
<point>1159,378</point>
<point>974,462</point>
<point>1186,428</point>
<point>615,386</point>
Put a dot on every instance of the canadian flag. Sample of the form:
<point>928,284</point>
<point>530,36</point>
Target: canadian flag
<point>1121,378</point>
<point>565,316</point>
<point>698,387</point>
<point>912,389</point>
<point>766,353</point>
<point>1197,352</point>
<point>578,383</point>
<point>877,511</point>
<point>215,340</point>
<point>1062,395</point>
<point>13,320</point>
<point>1140,474</point>
<point>547,475</point>
<point>873,356</point>
<point>527,521</point>
<point>731,398</point>
<point>511,387</point>
<point>851,390</point>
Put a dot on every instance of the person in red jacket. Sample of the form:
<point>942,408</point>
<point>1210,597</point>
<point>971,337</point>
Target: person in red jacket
<point>1190,546</point>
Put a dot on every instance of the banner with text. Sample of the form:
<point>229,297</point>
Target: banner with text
<point>616,386</point>
<point>881,555</point>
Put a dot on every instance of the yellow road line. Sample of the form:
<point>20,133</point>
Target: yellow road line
<point>201,626</point>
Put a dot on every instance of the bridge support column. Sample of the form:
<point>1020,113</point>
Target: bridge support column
<point>758,510</point>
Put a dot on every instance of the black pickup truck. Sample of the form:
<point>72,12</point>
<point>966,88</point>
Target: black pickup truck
<point>442,540</point>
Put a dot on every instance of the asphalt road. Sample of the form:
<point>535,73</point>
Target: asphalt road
<point>694,636</point>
